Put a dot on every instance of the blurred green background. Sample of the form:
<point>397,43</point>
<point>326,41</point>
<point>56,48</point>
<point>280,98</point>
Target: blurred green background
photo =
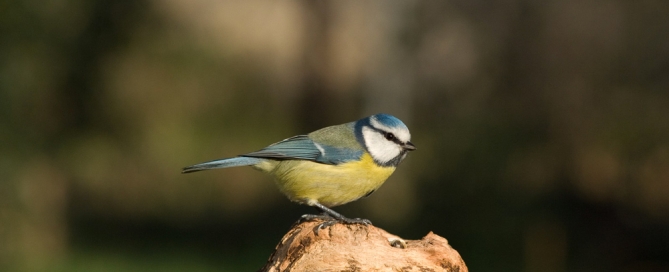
<point>542,127</point>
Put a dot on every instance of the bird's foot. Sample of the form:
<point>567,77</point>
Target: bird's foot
<point>326,218</point>
<point>331,218</point>
<point>349,221</point>
<point>329,221</point>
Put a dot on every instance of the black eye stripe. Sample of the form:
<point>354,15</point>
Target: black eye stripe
<point>394,140</point>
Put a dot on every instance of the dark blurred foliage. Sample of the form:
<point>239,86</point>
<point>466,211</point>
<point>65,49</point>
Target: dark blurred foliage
<point>542,127</point>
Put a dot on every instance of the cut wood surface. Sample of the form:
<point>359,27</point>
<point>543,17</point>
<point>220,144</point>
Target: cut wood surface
<point>358,247</point>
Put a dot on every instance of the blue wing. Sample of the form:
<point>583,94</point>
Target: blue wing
<point>221,163</point>
<point>301,147</point>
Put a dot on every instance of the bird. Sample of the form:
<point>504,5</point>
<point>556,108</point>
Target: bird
<point>331,166</point>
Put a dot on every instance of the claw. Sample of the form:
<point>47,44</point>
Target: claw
<point>325,224</point>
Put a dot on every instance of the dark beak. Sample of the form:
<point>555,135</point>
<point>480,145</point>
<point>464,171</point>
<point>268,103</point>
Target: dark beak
<point>409,146</point>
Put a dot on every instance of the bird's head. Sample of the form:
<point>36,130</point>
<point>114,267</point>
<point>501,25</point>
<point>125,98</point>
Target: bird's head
<point>385,137</point>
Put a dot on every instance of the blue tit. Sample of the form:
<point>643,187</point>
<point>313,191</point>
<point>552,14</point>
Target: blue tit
<point>330,166</point>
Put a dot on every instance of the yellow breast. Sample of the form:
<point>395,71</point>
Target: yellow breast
<point>330,185</point>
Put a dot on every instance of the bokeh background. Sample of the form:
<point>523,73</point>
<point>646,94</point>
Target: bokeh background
<point>542,127</point>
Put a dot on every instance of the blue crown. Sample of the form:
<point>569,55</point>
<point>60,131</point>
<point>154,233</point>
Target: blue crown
<point>389,120</point>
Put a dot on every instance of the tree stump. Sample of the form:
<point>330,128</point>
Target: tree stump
<point>358,247</point>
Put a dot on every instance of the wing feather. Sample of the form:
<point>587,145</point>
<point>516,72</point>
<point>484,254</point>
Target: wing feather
<point>301,147</point>
<point>296,147</point>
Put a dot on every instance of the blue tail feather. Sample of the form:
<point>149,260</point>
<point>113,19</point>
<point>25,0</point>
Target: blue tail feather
<point>222,163</point>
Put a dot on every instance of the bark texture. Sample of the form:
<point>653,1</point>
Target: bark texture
<point>360,248</point>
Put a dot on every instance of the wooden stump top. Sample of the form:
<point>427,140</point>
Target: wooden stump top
<point>358,247</point>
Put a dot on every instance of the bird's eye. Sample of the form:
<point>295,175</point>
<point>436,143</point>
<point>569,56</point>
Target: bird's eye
<point>389,136</point>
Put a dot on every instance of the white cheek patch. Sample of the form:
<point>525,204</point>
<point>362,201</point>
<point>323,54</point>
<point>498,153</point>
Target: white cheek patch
<point>381,149</point>
<point>402,134</point>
